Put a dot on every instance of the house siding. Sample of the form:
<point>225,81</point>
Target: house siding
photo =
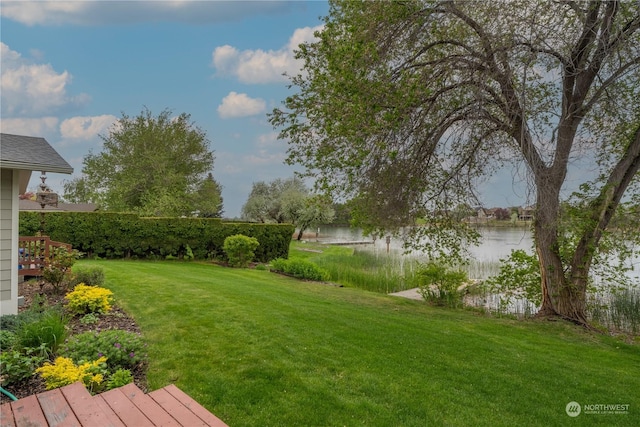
<point>8,241</point>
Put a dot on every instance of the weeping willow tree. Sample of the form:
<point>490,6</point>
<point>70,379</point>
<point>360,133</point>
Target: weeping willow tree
<point>405,107</point>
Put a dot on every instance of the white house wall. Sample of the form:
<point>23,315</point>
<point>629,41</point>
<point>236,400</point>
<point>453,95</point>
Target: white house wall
<point>9,182</point>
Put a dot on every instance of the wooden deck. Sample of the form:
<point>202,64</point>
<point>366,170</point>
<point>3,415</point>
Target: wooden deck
<point>128,406</point>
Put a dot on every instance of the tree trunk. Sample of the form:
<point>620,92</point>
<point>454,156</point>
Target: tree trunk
<point>300,233</point>
<point>560,296</point>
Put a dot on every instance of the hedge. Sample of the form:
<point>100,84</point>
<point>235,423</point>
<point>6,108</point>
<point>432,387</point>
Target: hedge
<point>122,235</point>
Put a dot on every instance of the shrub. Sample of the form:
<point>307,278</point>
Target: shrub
<point>121,348</point>
<point>16,366</point>
<point>91,276</point>
<point>300,268</point>
<point>64,372</point>
<point>519,277</point>
<point>122,235</point>
<point>58,270</point>
<point>240,249</point>
<point>7,339</point>
<point>119,378</point>
<point>440,285</point>
<point>89,319</point>
<point>46,332</point>
<point>89,299</point>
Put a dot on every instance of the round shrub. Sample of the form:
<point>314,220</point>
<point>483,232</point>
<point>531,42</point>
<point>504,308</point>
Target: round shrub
<point>240,249</point>
<point>89,299</point>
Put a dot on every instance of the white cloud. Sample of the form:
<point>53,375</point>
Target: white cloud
<point>128,12</point>
<point>32,89</point>
<point>260,66</point>
<point>35,127</point>
<point>240,105</point>
<point>86,128</point>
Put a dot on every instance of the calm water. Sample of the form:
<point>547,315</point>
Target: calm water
<point>496,243</point>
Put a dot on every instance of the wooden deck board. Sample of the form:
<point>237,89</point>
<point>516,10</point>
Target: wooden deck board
<point>195,407</point>
<point>125,409</point>
<point>110,416</point>
<point>6,416</point>
<point>56,409</point>
<point>86,408</point>
<point>158,415</point>
<point>27,412</point>
<point>176,409</point>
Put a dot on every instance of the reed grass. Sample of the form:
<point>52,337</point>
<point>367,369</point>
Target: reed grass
<point>361,268</point>
<point>619,310</point>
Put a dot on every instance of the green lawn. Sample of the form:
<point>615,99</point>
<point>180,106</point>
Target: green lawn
<point>258,349</point>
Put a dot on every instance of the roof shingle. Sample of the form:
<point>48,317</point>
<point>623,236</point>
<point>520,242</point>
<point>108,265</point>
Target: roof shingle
<point>30,153</point>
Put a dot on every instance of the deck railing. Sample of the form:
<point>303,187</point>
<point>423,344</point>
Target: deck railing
<point>34,253</point>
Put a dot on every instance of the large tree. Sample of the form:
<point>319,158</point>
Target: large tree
<point>287,200</point>
<point>153,165</point>
<point>405,106</point>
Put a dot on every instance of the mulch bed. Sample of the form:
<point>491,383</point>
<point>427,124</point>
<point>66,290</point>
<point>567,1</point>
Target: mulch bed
<point>116,319</point>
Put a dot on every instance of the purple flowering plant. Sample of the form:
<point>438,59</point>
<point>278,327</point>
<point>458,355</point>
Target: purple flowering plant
<point>123,349</point>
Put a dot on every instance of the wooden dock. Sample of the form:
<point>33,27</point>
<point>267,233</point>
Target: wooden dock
<point>126,406</point>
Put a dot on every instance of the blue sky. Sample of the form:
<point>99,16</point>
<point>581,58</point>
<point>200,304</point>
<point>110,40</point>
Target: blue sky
<point>69,69</point>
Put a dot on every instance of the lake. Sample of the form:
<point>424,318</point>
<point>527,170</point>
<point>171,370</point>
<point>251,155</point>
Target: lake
<point>496,243</point>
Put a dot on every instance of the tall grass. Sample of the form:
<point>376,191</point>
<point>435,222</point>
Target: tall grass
<point>619,310</point>
<point>377,272</point>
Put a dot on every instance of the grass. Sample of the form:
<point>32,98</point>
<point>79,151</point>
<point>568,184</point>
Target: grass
<point>364,269</point>
<point>260,349</point>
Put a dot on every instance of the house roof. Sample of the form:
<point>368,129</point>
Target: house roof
<point>30,153</point>
<point>32,205</point>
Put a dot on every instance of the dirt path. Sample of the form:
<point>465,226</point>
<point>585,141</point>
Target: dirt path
<point>409,293</point>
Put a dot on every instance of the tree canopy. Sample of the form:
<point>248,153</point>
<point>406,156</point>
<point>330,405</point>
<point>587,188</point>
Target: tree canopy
<point>154,165</point>
<point>405,107</point>
<point>287,200</point>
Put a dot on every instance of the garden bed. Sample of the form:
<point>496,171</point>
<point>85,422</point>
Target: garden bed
<point>115,319</point>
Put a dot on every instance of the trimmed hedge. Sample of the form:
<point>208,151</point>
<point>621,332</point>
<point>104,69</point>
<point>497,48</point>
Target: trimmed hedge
<point>123,235</point>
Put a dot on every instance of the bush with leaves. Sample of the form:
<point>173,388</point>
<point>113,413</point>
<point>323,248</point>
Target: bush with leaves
<point>7,339</point>
<point>300,268</point>
<point>240,249</point>
<point>16,366</point>
<point>121,348</point>
<point>519,277</point>
<point>57,271</point>
<point>64,372</point>
<point>92,276</point>
<point>440,284</point>
<point>89,299</point>
<point>119,378</point>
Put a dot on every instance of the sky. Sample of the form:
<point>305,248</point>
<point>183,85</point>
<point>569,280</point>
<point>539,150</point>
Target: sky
<point>71,68</point>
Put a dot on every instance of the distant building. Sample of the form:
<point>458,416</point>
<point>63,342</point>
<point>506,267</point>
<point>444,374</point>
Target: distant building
<point>32,205</point>
<point>526,214</point>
